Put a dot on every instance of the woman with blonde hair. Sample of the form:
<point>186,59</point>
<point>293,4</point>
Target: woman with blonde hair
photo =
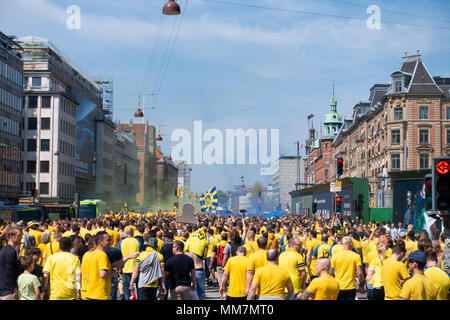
<point>374,275</point>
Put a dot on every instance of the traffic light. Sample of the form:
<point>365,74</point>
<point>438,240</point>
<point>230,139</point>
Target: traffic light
<point>177,192</point>
<point>339,166</point>
<point>441,183</point>
<point>176,205</point>
<point>35,193</point>
<point>259,193</point>
<point>338,204</point>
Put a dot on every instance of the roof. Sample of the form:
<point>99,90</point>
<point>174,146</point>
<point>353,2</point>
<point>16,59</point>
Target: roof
<point>159,154</point>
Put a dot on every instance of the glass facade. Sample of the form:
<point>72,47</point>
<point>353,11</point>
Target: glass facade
<point>11,106</point>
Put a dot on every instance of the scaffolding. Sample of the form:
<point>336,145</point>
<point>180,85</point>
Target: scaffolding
<point>107,86</point>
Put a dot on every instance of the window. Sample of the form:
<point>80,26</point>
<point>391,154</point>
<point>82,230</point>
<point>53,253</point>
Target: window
<point>45,102</point>
<point>326,173</point>
<point>31,166</point>
<point>32,123</point>
<point>45,145</point>
<point>326,160</point>
<point>36,82</point>
<point>423,136</point>
<point>395,158</point>
<point>424,161</point>
<point>423,112</point>
<point>45,123</point>
<point>31,144</point>
<point>447,113</point>
<point>32,102</point>
<point>43,188</point>
<point>395,136</point>
<point>45,166</point>
<point>398,113</point>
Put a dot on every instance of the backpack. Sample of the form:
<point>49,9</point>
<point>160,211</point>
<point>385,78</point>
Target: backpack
<point>234,248</point>
<point>220,250</point>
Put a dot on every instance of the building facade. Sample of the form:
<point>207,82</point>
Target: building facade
<point>288,172</point>
<point>65,135</point>
<point>144,135</point>
<point>406,125</point>
<point>184,178</point>
<point>11,104</point>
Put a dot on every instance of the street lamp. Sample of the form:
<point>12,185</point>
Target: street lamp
<point>171,8</point>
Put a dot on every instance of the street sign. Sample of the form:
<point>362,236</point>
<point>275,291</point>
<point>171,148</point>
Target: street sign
<point>336,186</point>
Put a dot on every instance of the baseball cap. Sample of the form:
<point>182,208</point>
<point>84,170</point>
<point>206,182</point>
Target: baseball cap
<point>418,256</point>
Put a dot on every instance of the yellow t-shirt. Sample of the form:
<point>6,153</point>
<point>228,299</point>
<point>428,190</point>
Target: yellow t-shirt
<point>212,242</point>
<point>441,281</point>
<point>324,288</point>
<point>411,246</point>
<point>251,247</point>
<point>272,280</point>
<point>377,278</point>
<point>197,243</point>
<point>237,268</point>
<point>142,256</point>
<point>62,267</point>
<point>345,263</point>
<point>393,272</point>
<point>44,255</point>
<point>67,234</point>
<point>336,249</point>
<point>52,247</point>
<point>128,246</point>
<point>36,234</point>
<point>257,260</point>
<point>96,287</point>
<point>311,245</point>
<point>418,287</point>
<point>293,263</point>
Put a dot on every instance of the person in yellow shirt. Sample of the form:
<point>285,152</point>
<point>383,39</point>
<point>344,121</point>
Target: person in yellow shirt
<point>271,280</point>
<point>325,287</point>
<point>293,262</point>
<point>347,265</point>
<point>97,270</point>
<point>128,246</point>
<point>418,287</point>
<point>45,239</point>
<point>63,270</point>
<point>256,260</point>
<point>34,231</point>
<point>410,243</point>
<point>374,275</point>
<point>250,244</point>
<point>439,277</point>
<point>212,242</point>
<point>338,246</point>
<point>149,269</point>
<point>394,273</point>
<point>235,270</point>
<point>311,245</point>
<point>53,246</point>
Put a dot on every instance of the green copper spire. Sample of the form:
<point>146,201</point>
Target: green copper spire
<point>333,102</point>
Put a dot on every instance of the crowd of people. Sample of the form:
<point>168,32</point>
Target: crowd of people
<point>128,256</point>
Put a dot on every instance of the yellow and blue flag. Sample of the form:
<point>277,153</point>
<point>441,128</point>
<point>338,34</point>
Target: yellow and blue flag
<point>209,200</point>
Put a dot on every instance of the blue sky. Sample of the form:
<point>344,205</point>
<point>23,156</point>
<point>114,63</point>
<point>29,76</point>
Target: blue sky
<point>234,66</point>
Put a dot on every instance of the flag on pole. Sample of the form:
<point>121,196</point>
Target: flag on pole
<point>209,200</point>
